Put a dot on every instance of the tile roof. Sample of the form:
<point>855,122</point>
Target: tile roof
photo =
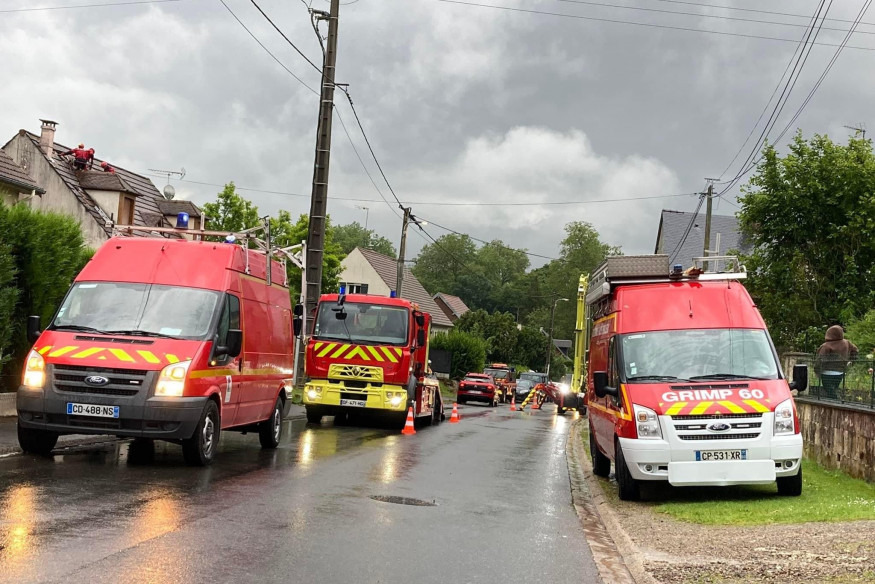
<point>673,224</point>
<point>99,180</point>
<point>176,207</point>
<point>411,289</point>
<point>146,211</point>
<point>456,305</point>
<point>13,174</point>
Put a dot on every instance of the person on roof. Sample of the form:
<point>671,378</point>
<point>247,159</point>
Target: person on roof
<point>107,167</point>
<point>90,158</point>
<point>81,156</point>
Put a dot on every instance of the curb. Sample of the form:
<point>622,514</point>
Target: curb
<point>618,558</point>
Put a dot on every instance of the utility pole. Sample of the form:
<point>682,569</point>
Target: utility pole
<point>319,197</point>
<point>550,336</point>
<point>707,251</point>
<point>401,250</point>
<point>367,211</point>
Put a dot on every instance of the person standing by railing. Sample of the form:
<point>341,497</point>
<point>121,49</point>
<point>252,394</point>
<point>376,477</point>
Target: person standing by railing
<point>832,359</point>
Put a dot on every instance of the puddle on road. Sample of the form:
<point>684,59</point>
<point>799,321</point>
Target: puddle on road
<point>403,500</point>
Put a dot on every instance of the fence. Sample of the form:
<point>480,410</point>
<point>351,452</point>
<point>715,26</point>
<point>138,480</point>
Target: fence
<point>845,383</point>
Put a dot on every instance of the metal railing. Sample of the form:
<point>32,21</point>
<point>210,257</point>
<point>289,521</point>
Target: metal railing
<point>851,382</point>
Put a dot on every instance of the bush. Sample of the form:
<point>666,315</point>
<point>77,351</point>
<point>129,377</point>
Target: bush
<point>468,352</point>
<point>8,299</point>
<point>862,333</point>
<point>47,251</point>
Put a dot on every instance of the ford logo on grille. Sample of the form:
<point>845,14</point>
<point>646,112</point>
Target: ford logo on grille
<point>718,427</point>
<point>96,380</point>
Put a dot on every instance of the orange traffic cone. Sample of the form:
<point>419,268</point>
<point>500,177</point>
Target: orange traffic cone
<point>454,417</point>
<point>535,404</point>
<point>408,425</point>
<point>513,403</point>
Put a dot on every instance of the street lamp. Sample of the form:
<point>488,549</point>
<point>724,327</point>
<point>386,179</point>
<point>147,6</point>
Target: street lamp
<point>550,336</point>
<point>367,211</point>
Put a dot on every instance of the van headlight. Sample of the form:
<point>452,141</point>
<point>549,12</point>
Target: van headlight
<point>564,388</point>
<point>171,381</point>
<point>647,423</point>
<point>785,420</point>
<point>34,371</point>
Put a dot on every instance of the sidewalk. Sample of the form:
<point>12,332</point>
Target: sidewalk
<point>9,433</point>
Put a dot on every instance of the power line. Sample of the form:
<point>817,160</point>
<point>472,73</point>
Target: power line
<point>701,15</point>
<point>282,34</point>
<point>643,24</point>
<point>274,57</point>
<point>692,222</point>
<point>43,8</point>
<point>753,10</point>
<point>483,241</point>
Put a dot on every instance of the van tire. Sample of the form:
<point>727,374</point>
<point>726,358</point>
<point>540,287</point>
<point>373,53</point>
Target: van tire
<point>201,448</point>
<point>601,464</point>
<point>270,431</point>
<point>35,441</point>
<point>790,486</point>
<point>628,488</point>
<point>314,416</point>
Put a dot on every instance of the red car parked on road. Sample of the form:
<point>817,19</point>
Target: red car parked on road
<point>478,387</point>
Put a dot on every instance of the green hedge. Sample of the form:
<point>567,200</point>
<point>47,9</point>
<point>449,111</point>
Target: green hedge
<point>42,252</point>
<point>468,352</point>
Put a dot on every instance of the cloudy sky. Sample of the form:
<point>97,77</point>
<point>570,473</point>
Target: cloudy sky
<point>463,104</point>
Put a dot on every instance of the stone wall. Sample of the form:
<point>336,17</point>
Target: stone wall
<point>839,436</point>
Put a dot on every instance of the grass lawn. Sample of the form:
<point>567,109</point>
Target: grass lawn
<point>827,495</point>
<point>447,391</point>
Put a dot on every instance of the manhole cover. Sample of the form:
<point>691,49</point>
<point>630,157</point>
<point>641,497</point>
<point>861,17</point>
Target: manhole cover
<point>403,500</point>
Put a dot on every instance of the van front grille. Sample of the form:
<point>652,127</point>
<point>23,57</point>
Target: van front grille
<point>717,436</point>
<point>120,382</point>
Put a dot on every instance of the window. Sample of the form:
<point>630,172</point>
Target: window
<point>230,318</point>
<point>126,210</point>
<point>355,288</point>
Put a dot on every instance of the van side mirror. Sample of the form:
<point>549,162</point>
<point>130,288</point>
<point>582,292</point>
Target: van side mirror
<point>234,344</point>
<point>298,310</point>
<point>800,378</point>
<point>420,337</point>
<point>297,325</point>
<point>419,318</point>
<point>600,384</point>
<point>33,329</point>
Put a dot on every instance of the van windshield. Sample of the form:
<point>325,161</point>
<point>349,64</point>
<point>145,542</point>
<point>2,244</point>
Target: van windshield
<point>365,323</point>
<point>534,377</point>
<point>137,309</point>
<point>697,355</point>
<point>496,373</point>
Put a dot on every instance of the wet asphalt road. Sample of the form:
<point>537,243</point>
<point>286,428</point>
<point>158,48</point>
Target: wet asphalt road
<point>498,482</point>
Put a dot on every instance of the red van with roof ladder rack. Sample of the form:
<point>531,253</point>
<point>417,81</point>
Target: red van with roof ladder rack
<point>684,384</point>
<point>167,339</point>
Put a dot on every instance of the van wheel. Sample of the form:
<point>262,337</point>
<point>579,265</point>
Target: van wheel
<point>314,416</point>
<point>35,441</point>
<point>271,430</point>
<point>601,464</point>
<point>629,489</point>
<point>790,486</point>
<point>200,449</point>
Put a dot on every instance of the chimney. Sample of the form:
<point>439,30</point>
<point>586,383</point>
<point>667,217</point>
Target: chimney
<point>47,137</point>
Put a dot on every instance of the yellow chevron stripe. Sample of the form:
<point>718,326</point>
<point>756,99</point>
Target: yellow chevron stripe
<point>45,350</point>
<point>318,346</point>
<point>675,409</point>
<point>122,355</point>
<point>701,408</point>
<point>373,351</point>
<point>733,408</point>
<point>389,354</point>
<point>171,358</point>
<point>757,406</point>
<point>149,356</point>
<point>87,353</point>
<point>397,351</point>
<point>340,351</point>
<point>358,350</point>
<point>327,349</point>
<point>63,351</point>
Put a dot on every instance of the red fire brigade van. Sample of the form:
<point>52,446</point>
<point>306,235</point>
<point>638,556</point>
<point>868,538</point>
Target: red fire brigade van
<point>165,339</point>
<point>684,384</point>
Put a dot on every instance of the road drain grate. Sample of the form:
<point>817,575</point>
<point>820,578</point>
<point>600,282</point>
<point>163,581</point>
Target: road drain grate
<point>403,500</point>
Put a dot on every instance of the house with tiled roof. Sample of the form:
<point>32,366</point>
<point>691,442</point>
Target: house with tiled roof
<point>365,271</point>
<point>452,306</point>
<point>725,236</point>
<point>15,184</point>
<point>97,200</point>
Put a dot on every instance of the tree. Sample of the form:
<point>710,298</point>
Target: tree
<point>530,347</point>
<point>351,236</point>
<point>8,299</point>
<point>498,330</point>
<point>810,216</point>
<point>284,233</point>
<point>230,212</point>
<point>441,265</point>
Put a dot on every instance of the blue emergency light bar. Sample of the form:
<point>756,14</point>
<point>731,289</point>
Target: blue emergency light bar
<point>182,220</point>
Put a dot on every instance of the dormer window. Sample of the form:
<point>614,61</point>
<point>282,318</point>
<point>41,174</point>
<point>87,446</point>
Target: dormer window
<point>126,209</point>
